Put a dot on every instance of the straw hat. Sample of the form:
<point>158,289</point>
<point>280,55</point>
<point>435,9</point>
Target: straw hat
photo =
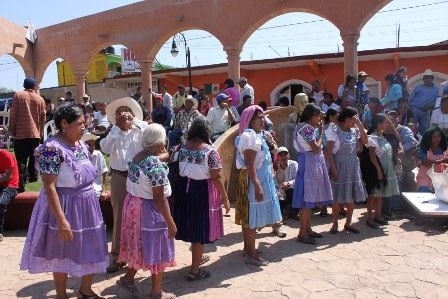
<point>128,102</point>
<point>89,137</point>
<point>428,73</point>
<point>191,98</point>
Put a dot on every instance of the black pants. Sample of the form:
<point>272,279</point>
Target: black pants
<point>286,205</point>
<point>24,149</point>
<point>6,195</point>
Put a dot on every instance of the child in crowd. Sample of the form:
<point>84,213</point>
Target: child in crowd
<point>433,152</point>
<point>98,160</point>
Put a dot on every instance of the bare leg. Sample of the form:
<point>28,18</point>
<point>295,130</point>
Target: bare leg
<point>244,238</point>
<point>370,208</point>
<point>350,208</point>
<point>60,284</point>
<point>86,285</point>
<point>335,214</point>
<point>197,249</point>
<point>129,275</point>
<point>305,221</point>
<point>251,251</point>
<point>378,207</point>
<point>156,286</point>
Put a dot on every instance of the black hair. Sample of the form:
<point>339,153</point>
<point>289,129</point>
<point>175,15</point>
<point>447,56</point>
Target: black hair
<point>69,92</point>
<point>426,142</point>
<point>200,129</point>
<point>347,113</point>
<point>374,100</point>
<point>47,100</point>
<point>376,120</point>
<point>283,101</point>
<point>330,112</point>
<point>230,83</point>
<point>401,69</point>
<point>68,112</point>
<point>329,94</point>
<point>309,111</point>
<point>247,97</point>
<point>263,105</point>
<point>311,100</point>
<point>390,78</point>
<point>348,78</point>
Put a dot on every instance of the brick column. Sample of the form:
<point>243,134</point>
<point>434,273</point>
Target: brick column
<point>233,60</point>
<point>350,54</point>
<point>146,68</point>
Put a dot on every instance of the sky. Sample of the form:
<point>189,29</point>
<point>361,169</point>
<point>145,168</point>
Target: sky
<point>422,22</point>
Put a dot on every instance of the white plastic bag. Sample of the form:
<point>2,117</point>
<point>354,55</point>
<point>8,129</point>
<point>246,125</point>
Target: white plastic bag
<point>440,183</point>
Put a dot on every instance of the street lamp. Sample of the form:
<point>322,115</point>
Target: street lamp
<point>175,52</point>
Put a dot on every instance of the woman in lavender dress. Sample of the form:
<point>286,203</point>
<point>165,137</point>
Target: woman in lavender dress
<point>66,235</point>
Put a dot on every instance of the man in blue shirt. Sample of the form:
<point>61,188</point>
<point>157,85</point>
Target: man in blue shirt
<point>161,114</point>
<point>423,99</point>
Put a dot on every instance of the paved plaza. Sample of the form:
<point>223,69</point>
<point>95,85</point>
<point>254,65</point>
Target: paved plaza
<point>404,260</point>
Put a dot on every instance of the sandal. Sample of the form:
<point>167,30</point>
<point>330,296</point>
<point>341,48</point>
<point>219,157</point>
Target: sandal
<point>306,240</point>
<point>381,221</point>
<point>244,253</point>
<point>202,274</point>
<point>204,259</point>
<point>314,235</point>
<point>372,225</point>
<point>278,230</point>
<point>127,285</point>
<point>334,230</point>
<point>323,213</point>
<point>351,229</point>
<point>255,262</point>
<point>162,295</point>
<point>84,296</point>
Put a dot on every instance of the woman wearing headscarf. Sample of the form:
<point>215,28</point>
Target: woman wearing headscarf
<point>300,101</point>
<point>197,212</point>
<point>66,235</point>
<point>257,203</point>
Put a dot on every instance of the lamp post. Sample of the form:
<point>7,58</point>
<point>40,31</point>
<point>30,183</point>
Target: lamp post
<point>175,52</point>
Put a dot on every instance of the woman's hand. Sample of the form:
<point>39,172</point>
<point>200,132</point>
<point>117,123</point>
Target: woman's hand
<point>172,230</point>
<point>226,203</point>
<point>65,231</point>
<point>380,175</point>
<point>258,192</point>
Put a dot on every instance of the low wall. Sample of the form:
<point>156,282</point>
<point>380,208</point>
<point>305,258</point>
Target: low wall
<point>225,145</point>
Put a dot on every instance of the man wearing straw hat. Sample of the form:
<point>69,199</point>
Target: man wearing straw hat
<point>122,143</point>
<point>183,120</point>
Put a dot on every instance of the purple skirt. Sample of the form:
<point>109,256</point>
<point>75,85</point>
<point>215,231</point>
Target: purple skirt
<point>312,187</point>
<point>86,254</point>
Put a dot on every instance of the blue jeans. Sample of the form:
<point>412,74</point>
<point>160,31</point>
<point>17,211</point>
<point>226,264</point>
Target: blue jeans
<point>423,189</point>
<point>6,195</point>
<point>173,136</point>
<point>422,118</point>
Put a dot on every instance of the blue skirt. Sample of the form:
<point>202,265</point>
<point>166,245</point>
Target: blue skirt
<point>312,187</point>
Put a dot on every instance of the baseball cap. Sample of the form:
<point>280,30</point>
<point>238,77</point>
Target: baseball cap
<point>222,96</point>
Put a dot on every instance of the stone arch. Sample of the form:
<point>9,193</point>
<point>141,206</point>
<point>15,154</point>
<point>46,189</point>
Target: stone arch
<point>46,63</point>
<point>11,64</point>
<point>27,68</point>
<point>273,96</point>
<point>247,33</point>
<point>157,46</point>
<point>380,4</point>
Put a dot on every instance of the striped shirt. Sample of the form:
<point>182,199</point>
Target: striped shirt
<point>27,115</point>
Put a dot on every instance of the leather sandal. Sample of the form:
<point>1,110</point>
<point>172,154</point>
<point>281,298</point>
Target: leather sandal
<point>84,296</point>
<point>306,240</point>
<point>204,259</point>
<point>314,235</point>
<point>381,221</point>
<point>351,229</point>
<point>202,274</point>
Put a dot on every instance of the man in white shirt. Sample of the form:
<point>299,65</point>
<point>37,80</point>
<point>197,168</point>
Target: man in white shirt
<point>167,98</point>
<point>222,116</point>
<point>99,162</point>
<point>246,89</point>
<point>439,117</point>
<point>316,93</point>
<point>122,143</point>
<point>100,121</point>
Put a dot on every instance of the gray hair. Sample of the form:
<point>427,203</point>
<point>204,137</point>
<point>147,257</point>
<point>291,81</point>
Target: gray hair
<point>154,134</point>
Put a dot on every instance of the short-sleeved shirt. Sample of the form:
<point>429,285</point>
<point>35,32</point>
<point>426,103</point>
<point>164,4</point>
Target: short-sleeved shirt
<point>332,135</point>
<point>304,135</point>
<point>374,141</point>
<point>439,119</point>
<point>8,161</point>
<point>252,141</point>
<point>146,174</point>
<point>196,164</point>
<point>101,119</point>
<point>51,162</point>
<point>100,163</point>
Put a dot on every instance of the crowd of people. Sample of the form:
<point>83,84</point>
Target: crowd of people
<point>351,148</point>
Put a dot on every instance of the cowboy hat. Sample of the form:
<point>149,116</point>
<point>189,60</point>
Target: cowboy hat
<point>127,102</point>
<point>428,73</point>
<point>191,98</point>
<point>89,137</point>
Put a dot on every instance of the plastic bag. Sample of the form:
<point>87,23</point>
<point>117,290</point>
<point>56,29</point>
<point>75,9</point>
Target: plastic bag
<point>440,183</point>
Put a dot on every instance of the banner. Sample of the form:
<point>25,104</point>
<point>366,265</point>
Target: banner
<point>128,62</point>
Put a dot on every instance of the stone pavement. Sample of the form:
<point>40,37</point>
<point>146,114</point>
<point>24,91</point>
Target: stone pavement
<point>402,260</point>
